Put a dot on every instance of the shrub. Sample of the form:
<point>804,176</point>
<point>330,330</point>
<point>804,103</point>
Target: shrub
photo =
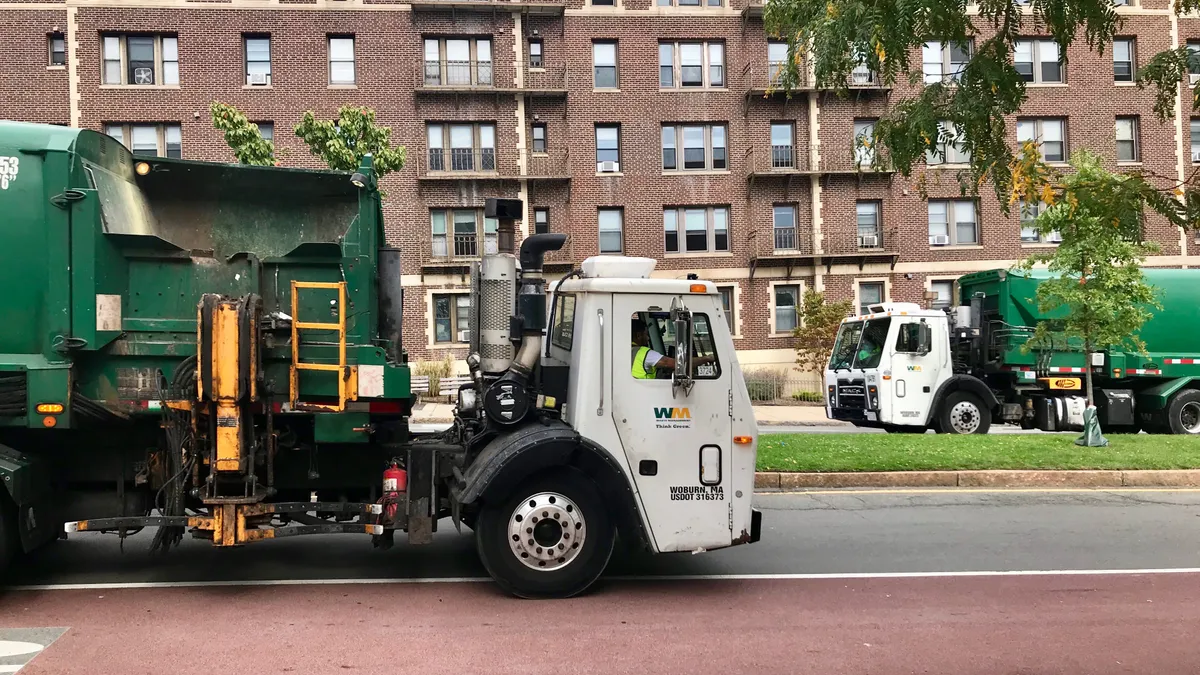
<point>765,385</point>
<point>808,396</point>
<point>435,371</point>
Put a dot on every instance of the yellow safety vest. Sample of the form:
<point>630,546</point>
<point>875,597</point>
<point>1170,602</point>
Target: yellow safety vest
<point>638,367</point>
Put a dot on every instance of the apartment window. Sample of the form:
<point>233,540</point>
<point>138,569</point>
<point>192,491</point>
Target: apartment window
<point>945,61</point>
<point>535,54</point>
<point>705,146</point>
<point>1029,230</point>
<point>787,300</point>
<point>456,233</point>
<point>691,65</point>
<point>610,224</point>
<point>608,148</point>
<point>267,131</point>
<point>777,56</point>
<point>870,234</point>
<point>1124,60</point>
<point>341,60</point>
<point>149,140</point>
<point>258,59</point>
<point>458,61</point>
<point>541,221</point>
<point>705,229</point>
<point>1196,141</point>
<point>783,146</point>
<point>1193,61</point>
<point>784,216</point>
<point>869,293</point>
<point>949,147</point>
<point>953,223</point>
<point>943,292</point>
<point>471,147</point>
<point>141,59</point>
<point>1048,134</point>
<point>604,3</point>
<point>1128,148</point>
<point>689,3</point>
<point>539,138</point>
<point>451,317</point>
<point>726,293</point>
<point>864,133</point>
<point>604,65</point>
<point>57,46</point>
<point>1038,61</point>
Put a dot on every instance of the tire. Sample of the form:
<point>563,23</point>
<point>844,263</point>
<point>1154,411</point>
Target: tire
<point>9,542</point>
<point>904,429</point>
<point>529,570</point>
<point>963,413</point>
<point>1183,412</point>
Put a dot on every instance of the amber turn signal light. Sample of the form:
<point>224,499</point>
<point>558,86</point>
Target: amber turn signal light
<point>49,408</point>
<point>743,440</point>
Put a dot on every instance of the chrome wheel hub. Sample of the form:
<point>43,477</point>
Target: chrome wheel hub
<point>546,531</point>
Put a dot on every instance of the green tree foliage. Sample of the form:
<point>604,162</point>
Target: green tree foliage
<point>340,143</point>
<point>343,142</point>
<point>242,135</point>
<point>887,36</point>
<point>1096,270</point>
<point>819,323</point>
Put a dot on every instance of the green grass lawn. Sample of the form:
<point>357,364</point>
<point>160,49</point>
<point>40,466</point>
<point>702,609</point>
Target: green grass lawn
<point>901,452</point>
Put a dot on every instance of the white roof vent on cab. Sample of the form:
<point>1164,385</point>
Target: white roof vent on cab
<point>617,267</point>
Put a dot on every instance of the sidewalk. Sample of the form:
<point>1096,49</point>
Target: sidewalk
<point>432,412</point>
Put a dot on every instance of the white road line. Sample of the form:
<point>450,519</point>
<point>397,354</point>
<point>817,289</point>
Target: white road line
<point>10,669</point>
<point>677,577</point>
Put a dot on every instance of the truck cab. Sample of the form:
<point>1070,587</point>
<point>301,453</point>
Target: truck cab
<point>892,368</point>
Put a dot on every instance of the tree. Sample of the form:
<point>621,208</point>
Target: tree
<point>340,143</point>
<point>819,323</point>
<point>242,135</point>
<point>835,36</point>
<point>1096,270</point>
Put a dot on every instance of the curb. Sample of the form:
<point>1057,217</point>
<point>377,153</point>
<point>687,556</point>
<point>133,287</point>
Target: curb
<point>780,480</point>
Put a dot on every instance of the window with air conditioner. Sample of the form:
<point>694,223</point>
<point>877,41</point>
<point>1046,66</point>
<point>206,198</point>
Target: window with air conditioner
<point>949,149</point>
<point>953,223</point>
<point>691,65</point>
<point>451,317</point>
<point>1038,61</point>
<point>149,140</point>
<point>870,233</point>
<point>140,60</point>
<point>458,62</point>
<point>467,147</point>
<point>57,47</point>
<point>462,233</point>
<point>536,57</point>
<point>705,147</point>
<point>1049,135</point>
<point>257,50</point>
<point>945,61</point>
<point>608,148</point>
<point>696,229</point>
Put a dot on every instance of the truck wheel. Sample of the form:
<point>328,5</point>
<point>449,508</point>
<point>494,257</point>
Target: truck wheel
<point>964,413</point>
<point>550,539</point>
<point>1183,414</point>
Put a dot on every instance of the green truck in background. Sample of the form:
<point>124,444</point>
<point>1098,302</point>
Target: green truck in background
<point>961,370</point>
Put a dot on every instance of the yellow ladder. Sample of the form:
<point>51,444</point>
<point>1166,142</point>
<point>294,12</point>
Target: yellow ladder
<point>347,375</point>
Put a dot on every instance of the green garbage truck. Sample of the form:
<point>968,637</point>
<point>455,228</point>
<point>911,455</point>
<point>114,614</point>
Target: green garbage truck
<point>963,369</point>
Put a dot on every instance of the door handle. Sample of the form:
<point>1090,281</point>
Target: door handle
<point>600,316</point>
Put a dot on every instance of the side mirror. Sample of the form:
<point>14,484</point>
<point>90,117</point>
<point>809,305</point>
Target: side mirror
<point>681,377</point>
<point>924,338</point>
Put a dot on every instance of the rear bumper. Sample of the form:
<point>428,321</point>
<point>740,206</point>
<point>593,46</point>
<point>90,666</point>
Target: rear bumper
<point>755,525</point>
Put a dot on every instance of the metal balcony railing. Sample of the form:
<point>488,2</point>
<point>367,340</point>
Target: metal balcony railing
<point>554,162</point>
<point>763,77</point>
<point>457,74</point>
<point>461,245</point>
<point>784,159</point>
<point>464,160</point>
<point>547,77</point>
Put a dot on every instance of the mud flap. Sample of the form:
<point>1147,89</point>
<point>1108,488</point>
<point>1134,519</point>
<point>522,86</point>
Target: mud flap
<point>27,483</point>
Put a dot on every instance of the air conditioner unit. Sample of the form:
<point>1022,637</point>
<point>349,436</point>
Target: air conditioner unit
<point>939,240</point>
<point>464,336</point>
<point>868,241</point>
<point>1196,155</point>
<point>1054,238</point>
<point>257,79</point>
<point>1194,78</point>
<point>608,167</point>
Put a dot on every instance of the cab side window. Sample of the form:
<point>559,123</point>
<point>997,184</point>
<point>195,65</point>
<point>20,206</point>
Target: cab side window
<point>653,343</point>
<point>562,333</point>
<point>706,365</point>
<point>908,339</point>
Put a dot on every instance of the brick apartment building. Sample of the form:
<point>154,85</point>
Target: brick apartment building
<point>635,126</point>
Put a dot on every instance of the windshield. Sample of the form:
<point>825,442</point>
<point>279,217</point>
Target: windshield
<point>870,348</point>
<point>843,347</point>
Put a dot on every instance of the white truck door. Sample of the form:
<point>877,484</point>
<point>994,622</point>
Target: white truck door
<point>914,371</point>
<point>679,448</point>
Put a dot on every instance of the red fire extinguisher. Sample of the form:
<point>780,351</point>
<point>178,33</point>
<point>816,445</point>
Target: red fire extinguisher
<point>395,481</point>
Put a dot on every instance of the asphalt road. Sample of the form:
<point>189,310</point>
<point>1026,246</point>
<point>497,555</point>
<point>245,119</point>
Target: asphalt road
<point>842,582</point>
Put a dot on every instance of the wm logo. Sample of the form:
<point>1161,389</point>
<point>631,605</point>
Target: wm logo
<point>672,414</point>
